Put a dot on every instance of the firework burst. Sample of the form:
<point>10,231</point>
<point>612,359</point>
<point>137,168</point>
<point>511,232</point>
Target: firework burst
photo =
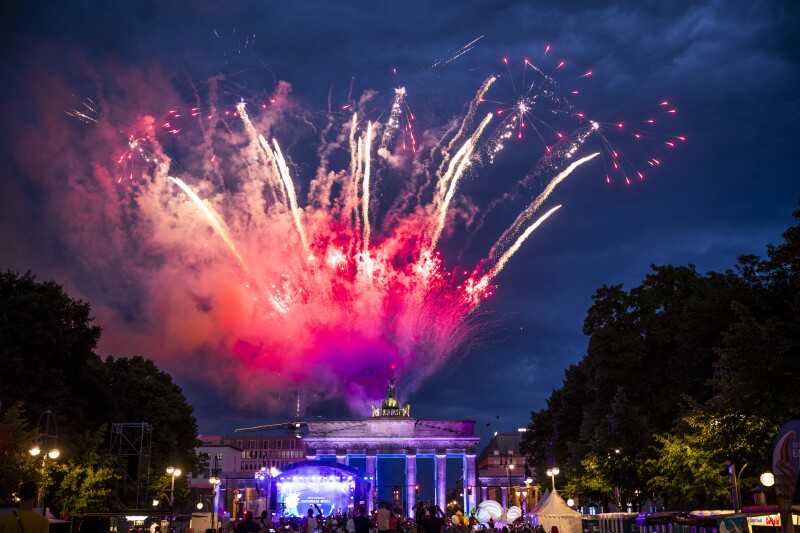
<point>317,284</point>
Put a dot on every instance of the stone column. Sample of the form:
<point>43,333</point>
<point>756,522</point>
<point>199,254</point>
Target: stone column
<point>411,481</point>
<point>504,496</point>
<point>372,478</point>
<point>469,480</point>
<point>441,479</point>
<point>484,495</point>
<point>341,456</point>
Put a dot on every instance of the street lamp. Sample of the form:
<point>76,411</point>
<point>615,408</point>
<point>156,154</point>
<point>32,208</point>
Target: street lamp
<point>509,468</point>
<point>736,498</point>
<point>49,443</point>
<point>215,481</point>
<point>552,473</point>
<point>767,480</point>
<point>237,502</point>
<point>173,472</point>
<point>267,474</point>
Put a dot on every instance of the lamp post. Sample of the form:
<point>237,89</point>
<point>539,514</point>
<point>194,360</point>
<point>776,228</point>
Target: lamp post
<point>173,472</point>
<point>49,443</point>
<point>767,480</point>
<point>509,468</point>
<point>736,497</point>
<point>552,473</point>
<point>267,474</point>
<point>215,481</point>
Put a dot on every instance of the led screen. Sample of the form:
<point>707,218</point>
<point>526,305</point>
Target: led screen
<point>299,490</point>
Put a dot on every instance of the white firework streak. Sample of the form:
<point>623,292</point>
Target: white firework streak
<point>272,178</point>
<point>390,129</point>
<point>219,229</point>
<point>287,183</point>
<point>461,159</point>
<point>511,251</point>
<point>467,120</point>
<point>365,193</point>
<point>460,52</point>
<point>531,209</point>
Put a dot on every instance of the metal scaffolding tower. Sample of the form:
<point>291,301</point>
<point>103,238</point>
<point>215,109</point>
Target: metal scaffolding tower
<point>131,444</point>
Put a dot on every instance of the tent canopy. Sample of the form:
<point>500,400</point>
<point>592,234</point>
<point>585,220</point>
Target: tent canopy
<point>554,511</point>
<point>542,500</point>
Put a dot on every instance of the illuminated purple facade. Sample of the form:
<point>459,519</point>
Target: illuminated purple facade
<point>392,432</point>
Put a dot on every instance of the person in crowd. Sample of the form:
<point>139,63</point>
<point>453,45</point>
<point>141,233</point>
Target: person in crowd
<point>264,523</point>
<point>361,523</point>
<point>382,516</point>
<point>312,522</point>
<point>419,515</point>
<point>24,518</point>
<point>433,522</point>
<point>248,525</point>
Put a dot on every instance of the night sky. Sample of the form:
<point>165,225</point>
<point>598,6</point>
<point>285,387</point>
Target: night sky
<point>730,68</point>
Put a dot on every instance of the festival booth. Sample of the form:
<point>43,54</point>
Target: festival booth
<point>618,522</point>
<point>554,511</point>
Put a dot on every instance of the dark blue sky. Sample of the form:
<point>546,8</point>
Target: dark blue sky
<point>730,67</point>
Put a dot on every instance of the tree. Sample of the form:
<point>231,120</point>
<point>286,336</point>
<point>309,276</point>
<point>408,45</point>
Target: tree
<point>589,479</point>
<point>47,344</point>
<point>756,371</point>
<point>142,392</point>
<point>689,465</point>
<point>88,476</point>
<point>682,374</point>
<point>16,463</point>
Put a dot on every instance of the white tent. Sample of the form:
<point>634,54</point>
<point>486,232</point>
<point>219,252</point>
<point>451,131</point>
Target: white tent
<point>542,501</point>
<point>554,511</point>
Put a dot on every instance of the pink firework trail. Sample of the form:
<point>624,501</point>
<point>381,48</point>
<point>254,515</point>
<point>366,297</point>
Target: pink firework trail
<point>321,289</point>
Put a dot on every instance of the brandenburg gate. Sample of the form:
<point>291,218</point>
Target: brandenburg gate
<point>392,432</point>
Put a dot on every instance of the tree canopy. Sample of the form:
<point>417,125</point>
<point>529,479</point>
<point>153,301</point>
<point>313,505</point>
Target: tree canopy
<point>47,349</point>
<point>682,374</point>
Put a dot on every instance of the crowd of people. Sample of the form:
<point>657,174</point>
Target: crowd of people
<point>428,519</point>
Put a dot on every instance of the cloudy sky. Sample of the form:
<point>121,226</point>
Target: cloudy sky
<point>729,69</point>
